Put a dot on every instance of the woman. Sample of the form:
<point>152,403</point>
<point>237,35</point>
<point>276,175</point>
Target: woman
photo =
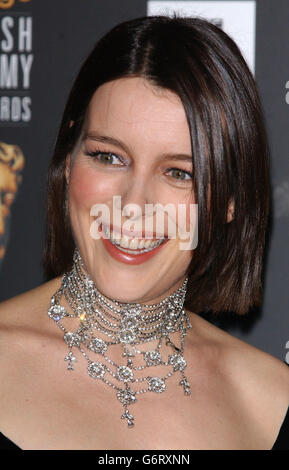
<point>112,352</point>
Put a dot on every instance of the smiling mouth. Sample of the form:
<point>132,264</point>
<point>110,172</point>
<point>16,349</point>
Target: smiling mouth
<point>137,250</point>
<point>134,246</point>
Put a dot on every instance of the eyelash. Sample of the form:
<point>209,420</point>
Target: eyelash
<point>101,152</point>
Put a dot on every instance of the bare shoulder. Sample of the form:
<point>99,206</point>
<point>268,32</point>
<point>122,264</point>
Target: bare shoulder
<point>24,308</point>
<point>259,381</point>
<point>25,336</point>
<point>23,322</point>
<point>244,362</point>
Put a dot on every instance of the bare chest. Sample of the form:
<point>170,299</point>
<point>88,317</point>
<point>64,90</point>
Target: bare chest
<point>66,411</point>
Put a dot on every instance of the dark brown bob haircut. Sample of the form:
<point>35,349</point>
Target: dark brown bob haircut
<point>204,67</point>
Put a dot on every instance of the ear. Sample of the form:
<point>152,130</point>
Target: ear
<point>231,210</point>
<point>67,168</point>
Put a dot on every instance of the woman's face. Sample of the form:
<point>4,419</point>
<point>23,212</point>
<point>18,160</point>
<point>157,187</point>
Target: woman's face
<point>135,145</point>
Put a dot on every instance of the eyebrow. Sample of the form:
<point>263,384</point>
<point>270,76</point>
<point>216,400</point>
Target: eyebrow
<point>118,143</point>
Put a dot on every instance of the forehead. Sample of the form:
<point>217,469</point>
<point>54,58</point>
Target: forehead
<point>133,108</point>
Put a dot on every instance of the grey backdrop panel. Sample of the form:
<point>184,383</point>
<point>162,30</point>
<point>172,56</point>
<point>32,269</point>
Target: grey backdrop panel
<point>63,34</point>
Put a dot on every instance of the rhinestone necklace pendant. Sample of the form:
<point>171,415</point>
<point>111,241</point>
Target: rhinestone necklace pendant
<point>126,415</point>
<point>70,358</point>
<point>126,325</point>
<point>186,386</point>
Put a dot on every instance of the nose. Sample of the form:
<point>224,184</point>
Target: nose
<point>137,193</point>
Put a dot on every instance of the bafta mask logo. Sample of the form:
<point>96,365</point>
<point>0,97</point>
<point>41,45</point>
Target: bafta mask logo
<point>11,164</point>
<point>5,4</point>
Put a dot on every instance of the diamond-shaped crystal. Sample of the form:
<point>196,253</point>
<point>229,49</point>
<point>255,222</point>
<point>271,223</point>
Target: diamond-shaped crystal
<point>56,312</point>
<point>89,283</point>
<point>129,323</point>
<point>152,358</point>
<point>170,311</point>
<point>127,336</point>
<point>132,311</point>
<point>126,397</point>
<point>177,361</point>
<point>72,339</point>
<point>129,418</point>
<point>156,384</point>
<point>96,370</point>
<point>70,357</point>
<point>97,345</point>
<point>125,374</point>
<point>186,386</point>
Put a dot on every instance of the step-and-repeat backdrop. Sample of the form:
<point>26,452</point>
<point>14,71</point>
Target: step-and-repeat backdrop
<point>43,43</point>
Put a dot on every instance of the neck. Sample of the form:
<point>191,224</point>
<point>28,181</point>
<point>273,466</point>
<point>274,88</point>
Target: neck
<point>139,333</point>
<point>81,271</point>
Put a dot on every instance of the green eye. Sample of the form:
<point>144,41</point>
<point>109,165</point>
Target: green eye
<point>107,158</point>
<point>180,175</point>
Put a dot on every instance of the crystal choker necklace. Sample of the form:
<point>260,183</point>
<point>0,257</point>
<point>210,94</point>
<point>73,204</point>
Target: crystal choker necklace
<point>127,324</point>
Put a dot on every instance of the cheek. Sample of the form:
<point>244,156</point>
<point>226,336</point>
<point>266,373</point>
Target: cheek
<point>87,187</point>
<point>186,219</point>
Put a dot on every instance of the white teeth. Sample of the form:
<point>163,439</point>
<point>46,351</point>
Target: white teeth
<point>124,241</point>
<point>156,244</point>
<point>128,244</point>
<point>141,244</point>
<point>134,244</point>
